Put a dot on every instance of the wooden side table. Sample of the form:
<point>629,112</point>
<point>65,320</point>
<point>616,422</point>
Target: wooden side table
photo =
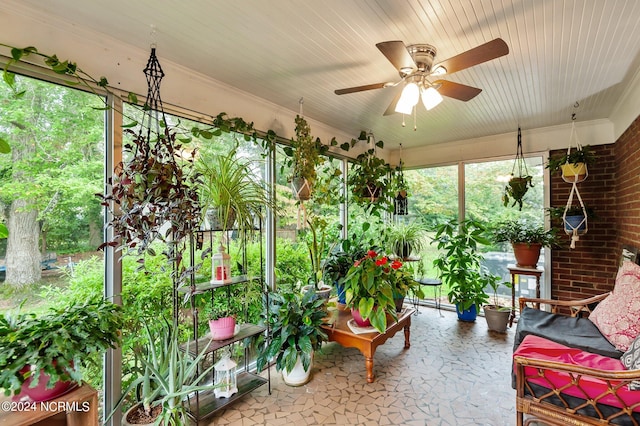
<point>78,407</point>
<point>518,270</point>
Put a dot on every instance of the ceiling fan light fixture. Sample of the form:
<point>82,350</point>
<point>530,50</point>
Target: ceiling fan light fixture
<point>408,99</point>
<point>430,98</point>
<point>439,70</point>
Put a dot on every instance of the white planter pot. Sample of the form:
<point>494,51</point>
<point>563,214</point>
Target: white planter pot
<point>297,376</point>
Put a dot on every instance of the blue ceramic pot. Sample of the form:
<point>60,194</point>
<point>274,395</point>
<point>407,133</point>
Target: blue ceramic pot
<point>468,315</point>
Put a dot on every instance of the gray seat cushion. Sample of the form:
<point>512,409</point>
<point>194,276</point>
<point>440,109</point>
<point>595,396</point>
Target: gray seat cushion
<point>576,332</point>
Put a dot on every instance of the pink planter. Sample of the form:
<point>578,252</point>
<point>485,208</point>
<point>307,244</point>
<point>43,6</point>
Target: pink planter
<point>40,392</point>
<point>223,328</point>
<point>355,313</point>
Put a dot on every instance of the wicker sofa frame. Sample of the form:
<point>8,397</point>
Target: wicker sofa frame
<point>550,405</point>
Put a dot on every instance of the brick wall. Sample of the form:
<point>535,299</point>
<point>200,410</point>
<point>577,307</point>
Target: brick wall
<point>612,190</point>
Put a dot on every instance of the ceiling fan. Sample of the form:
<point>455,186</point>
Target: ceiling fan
<point>415,63</point>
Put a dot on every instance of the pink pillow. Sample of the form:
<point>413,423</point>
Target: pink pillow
<point>618,316</point>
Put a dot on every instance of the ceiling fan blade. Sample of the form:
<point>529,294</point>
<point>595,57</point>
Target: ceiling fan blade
<point>456,90</point>
<point>391,109</point>
<point>396,52</point>
<point>361,88</point>
<point>483,53</point>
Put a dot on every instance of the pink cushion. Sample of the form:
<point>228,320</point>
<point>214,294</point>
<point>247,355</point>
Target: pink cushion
<point>618,316</point>
<point>542,349</point>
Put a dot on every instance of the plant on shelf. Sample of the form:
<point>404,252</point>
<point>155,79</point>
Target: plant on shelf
<point>55,344</point>
<point>527,239</point>
<point>405,238</point>
<point>169,374</point>
<point>222,323</point>
<point>496,314</point>
<point>230,192</point>
<point>459,265</point>
<point>303,156</point>
<point>369,178</point>
<point>369,287</point>
<point>295,321</point>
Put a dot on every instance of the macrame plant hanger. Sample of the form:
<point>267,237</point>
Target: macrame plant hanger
<point>581,228</point>
<point>401,200</point>
<point>302,210</point>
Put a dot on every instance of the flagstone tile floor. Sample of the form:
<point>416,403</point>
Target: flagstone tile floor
<point>455,373</point>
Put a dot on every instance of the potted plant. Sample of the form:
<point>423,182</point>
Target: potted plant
<point>496,315</point>
<point>405,238</point>
<point>403,283</point>
<point>221,323</point>
<point>458,265</point>
<point>316,245</point>
<point>45,352</point>
<point>230,192</point>
<point>295,321</point>
<point>573,163</point>
<point>526,238</point>
<point>338,263</point>
<point>304,154</point>
<point>516,189</point>
<point>369,178</point>
<point>574,218</point>
<point>369,287</point>
<point>169,374</point>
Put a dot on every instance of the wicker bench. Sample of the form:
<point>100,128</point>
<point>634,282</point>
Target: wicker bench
<point>559,383</point>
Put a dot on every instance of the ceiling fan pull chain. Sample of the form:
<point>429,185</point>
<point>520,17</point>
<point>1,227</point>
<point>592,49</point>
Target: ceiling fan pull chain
<point>403,123</point>
<point>301,101</point>
<point>415,118</point>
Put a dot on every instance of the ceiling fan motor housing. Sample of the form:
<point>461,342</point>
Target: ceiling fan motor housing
<point>423,55</point>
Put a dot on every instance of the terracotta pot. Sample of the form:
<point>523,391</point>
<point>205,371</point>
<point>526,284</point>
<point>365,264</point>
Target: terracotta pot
<point>300,188</point>
<point>527,255</point>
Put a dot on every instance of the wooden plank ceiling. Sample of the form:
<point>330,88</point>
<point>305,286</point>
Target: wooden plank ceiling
<point>561,51</point>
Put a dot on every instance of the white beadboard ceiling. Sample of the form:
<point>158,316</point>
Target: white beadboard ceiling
<point>561,52</point>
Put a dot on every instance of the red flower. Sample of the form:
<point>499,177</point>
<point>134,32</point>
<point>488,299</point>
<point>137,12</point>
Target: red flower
<point>382,261</point>
<point>372,253</point>
<point>396,264</point>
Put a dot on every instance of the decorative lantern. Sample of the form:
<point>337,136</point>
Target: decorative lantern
<point>401,204</point>
<point>225,383</point>
<point>220,267</point>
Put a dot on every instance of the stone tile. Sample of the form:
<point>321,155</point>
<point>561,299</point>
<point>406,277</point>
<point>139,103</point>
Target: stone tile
<point>454,374</point>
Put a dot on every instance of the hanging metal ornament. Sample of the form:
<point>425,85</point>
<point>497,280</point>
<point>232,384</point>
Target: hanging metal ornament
<point>401,200</point>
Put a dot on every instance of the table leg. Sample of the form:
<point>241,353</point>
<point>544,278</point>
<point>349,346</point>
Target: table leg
<point>513,300</point>
<point>368,362</point>
<point>407,335</point>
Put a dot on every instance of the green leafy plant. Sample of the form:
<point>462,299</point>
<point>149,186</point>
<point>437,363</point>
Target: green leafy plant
<point>369,287</point>
<point>494,281</point>
<point>459,261</point>
<point>304,153</point>
<point>229,187</point>
<point>579,154</point>
<point>369,179</point>
<point>58,342</point>
<point>317,246</point>
<point>296,329</point>
<point>404,238</point>
<point>170,374</point>
<point>522,231</point>
<point>516,189</point>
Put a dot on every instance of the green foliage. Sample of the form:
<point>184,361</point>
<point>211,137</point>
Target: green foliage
<point>229,185</point>
<point>579,154</point>
<point>516,189</point>
<point>58,342</point>
<point>292,264</point>
<point>522,231</point>
<point>369,180</point>
<point>295,324</point>
<point>403,238</point>
<point>305,153</point>
<point>459,262</point>
<point>371,283</point>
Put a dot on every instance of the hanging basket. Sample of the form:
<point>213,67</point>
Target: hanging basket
<point>371,192</point>
<point>575,224</point>
<point>301,188</point>
<point>574,173</point>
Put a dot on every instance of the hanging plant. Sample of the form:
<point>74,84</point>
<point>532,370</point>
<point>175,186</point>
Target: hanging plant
<point>303,156</point>
<point>574,162</point>
<point>154,195</point>
<point>520,180</point>
<point>401,199</point>
<point>369,177</point>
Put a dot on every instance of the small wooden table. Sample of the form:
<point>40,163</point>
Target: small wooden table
<point>367,343</point>
<point>515,270</point>
<point>78,407</point>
